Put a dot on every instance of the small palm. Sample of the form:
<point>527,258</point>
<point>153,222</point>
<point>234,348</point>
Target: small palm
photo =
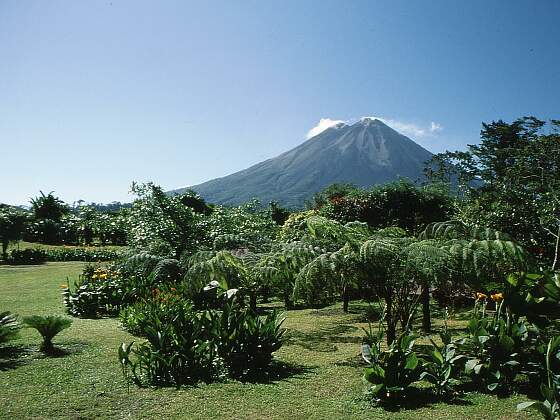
<point>48,326</point>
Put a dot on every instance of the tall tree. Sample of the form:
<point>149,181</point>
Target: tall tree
<point>511,182</point>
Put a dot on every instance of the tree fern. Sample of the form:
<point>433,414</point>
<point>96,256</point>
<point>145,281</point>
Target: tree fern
<point>222,267</point>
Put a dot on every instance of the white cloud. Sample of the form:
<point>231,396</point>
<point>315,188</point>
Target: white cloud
<point>323,124</point>
<point>435,127</point>
<point>406,128</point>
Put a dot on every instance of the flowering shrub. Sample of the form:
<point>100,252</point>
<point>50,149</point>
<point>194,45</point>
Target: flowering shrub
<point>146,311</point>
<point>496,343</point>
<point>244,227</point>
<point>97,292</point>
<point>81,254</point>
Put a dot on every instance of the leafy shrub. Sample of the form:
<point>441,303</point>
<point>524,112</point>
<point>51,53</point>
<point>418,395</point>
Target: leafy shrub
<point>97,292</point>
<point>244,340</point>
<point>81,254</point>
<point>399,203</point>
<point>40,256</point>
<point>9,327</point>
<point>550,389</point>
<point>393,370</point>
<point>160,308</point>
<point>48,326</point>
<point>495,343</point>
<point>167,270</point>
<point>440,363</point>
<point>185,345</point>
<point>26,257</point>
<point>295,226</point>
<point>177,351</point>
<point>534,295</point>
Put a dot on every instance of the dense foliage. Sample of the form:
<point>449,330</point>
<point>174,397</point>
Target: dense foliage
<point>399,204</point>
<point>509,181</point>
<point>186,344</point>
<point>12,226</point>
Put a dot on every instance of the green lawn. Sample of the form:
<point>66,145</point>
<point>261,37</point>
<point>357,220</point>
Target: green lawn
<point>323,379</point>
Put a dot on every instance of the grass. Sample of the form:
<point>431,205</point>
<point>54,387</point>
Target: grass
<point>319,375</point>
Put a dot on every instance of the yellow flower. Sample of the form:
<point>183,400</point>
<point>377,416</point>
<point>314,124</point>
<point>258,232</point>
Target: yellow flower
<point>63,286</point>
<point>480,296</point>
<point>497,297</point>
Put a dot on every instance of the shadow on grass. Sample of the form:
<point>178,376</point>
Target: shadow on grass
<point>277,371</point>
<point>323,340</point>
<point>416,398</point>
<point>12,357</point>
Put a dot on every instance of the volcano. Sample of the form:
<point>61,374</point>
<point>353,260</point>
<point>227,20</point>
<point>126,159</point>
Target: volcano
<point>365,153</point>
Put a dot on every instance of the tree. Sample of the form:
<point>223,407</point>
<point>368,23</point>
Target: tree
<point>510,182</point>
<point>162,223</point>
<point>193,200</point>
<point>12,226</point>
<point>278,213</point>
<point>48,207</point>
<point>400,203</point>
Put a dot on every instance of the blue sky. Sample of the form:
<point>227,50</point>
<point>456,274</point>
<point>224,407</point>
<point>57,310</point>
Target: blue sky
<point>96,94</point>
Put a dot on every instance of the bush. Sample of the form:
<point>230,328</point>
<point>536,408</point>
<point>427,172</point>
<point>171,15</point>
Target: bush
<point>40,256</point>
<point>81,254</point>
<point>393,370</point>
<point>550,388</point>
<point>177,351</point>
<point>160,308</point>
<point>440,364</point>
<point>246,341</point>
<point>496,343</point>
<point>185,345</point>
<point>26,257</point>
<point>97,292</point>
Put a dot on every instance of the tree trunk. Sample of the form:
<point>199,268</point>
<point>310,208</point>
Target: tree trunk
<point>345,299</point>
<point>426,319</point>
<point>556,249</point>
<point>287,301</point>
<point>391,324</point>
<point>253,301</point>
<point>265,293</point>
